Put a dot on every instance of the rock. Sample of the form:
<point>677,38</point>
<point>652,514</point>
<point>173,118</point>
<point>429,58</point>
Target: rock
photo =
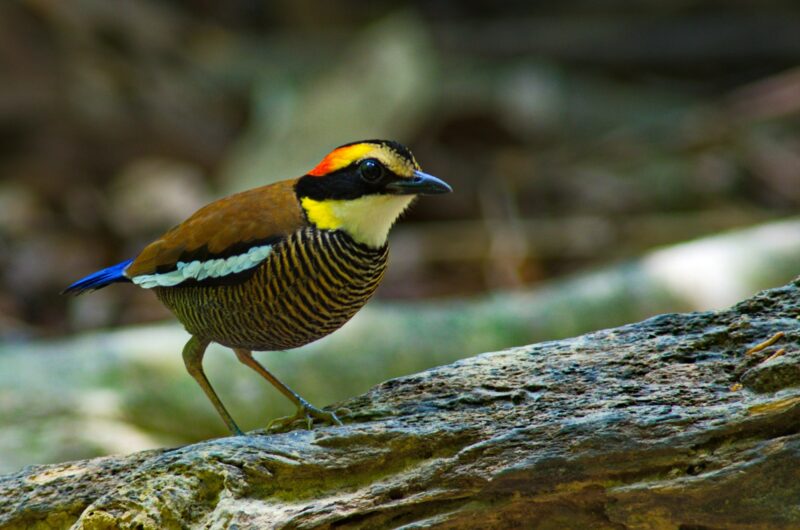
<point>651,425</point>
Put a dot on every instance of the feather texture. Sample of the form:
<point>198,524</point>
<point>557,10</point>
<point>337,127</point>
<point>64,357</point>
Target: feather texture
<point>203,270</point>
<point>311,283</point>
<point>100,279</point>
<point>227,227</point>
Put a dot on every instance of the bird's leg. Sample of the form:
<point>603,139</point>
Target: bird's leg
<point>305,410</point>
<point>193,358</point>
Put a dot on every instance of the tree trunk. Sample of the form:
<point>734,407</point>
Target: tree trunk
<point>669,423</point>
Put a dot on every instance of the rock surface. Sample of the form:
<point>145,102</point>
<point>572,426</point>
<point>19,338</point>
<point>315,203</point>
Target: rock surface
<point>668,423</point>
<point>120,391</point>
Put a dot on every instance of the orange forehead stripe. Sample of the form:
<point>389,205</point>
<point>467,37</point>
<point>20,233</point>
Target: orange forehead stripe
<point>341,157</point>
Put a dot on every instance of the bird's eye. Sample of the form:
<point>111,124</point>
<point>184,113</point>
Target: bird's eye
<point>371,170</point>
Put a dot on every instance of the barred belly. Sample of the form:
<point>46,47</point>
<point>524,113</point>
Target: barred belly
<point>310,285</point>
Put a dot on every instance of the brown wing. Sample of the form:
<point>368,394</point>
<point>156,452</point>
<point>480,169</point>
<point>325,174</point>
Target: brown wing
<point>225,227</point>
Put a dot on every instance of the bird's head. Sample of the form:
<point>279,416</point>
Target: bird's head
<point>361,188</point>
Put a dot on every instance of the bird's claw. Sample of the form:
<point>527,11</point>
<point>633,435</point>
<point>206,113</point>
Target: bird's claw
<point>306,413</point>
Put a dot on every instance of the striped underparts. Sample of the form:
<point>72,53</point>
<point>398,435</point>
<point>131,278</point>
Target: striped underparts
<point>307,286</point>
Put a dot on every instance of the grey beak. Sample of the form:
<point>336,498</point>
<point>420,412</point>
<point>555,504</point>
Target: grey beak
<point>420,184</point>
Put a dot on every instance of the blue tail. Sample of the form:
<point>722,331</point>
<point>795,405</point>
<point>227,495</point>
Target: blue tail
<point>99,279</point>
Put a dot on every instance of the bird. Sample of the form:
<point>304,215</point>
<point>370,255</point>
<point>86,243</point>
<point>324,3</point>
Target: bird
<point>281,265</point>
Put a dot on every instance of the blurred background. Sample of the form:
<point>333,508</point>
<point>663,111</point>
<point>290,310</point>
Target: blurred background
<point>587,142</point>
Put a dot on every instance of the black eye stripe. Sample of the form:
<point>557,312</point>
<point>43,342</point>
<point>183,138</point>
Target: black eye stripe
<point>344,184</point>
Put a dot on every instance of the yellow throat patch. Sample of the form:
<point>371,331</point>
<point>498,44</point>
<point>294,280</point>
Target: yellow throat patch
<point>366,219</point>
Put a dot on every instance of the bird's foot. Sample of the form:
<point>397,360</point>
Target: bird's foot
<point>306,414</point>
